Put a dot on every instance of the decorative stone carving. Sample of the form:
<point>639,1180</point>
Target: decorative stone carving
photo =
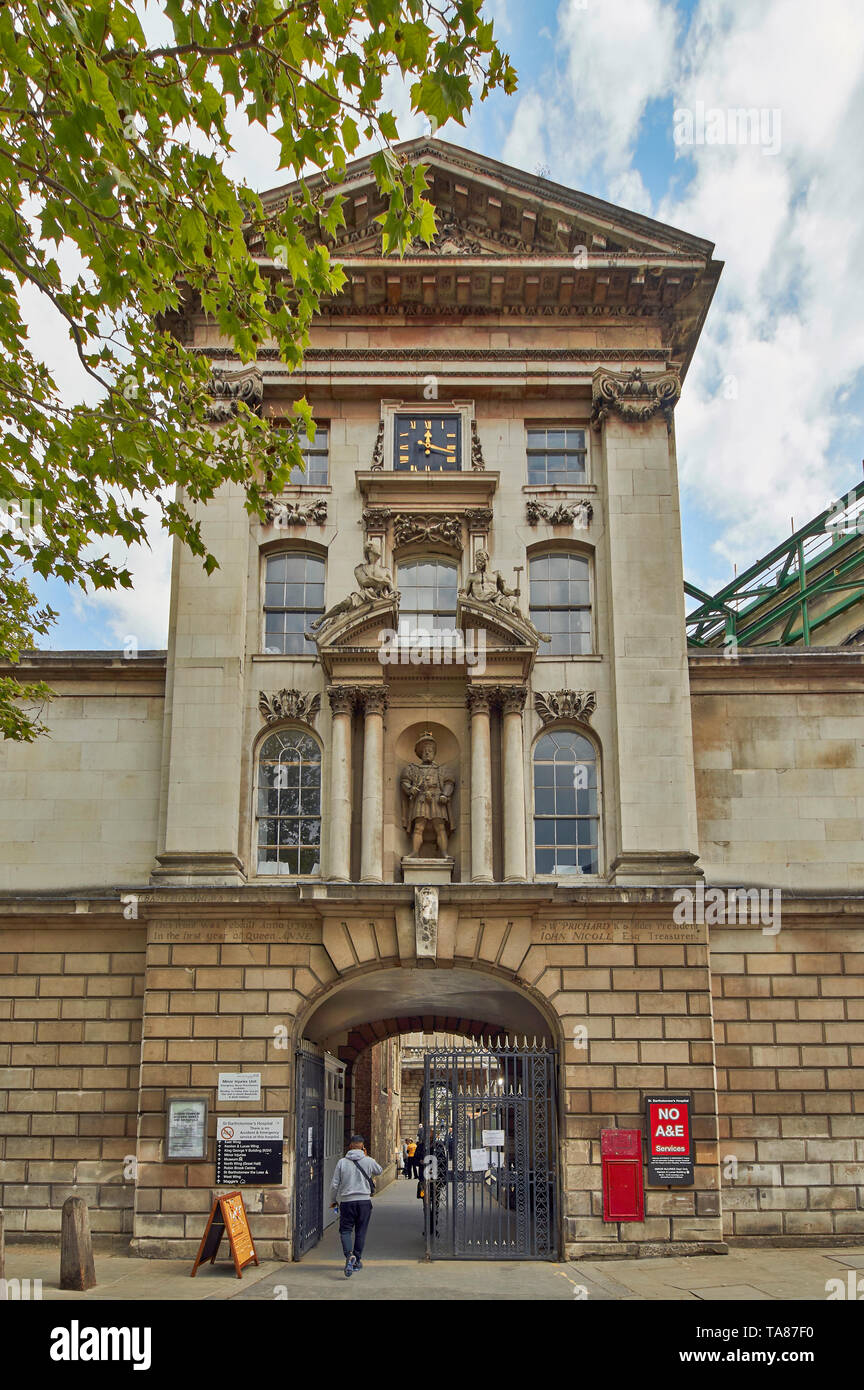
<point>633,396</point>
<point>289,704</point>
<point>378,451</point>
<point>376,518</point>
<point>478,464</point>
<point>426,921</point>
<point>449,240</point>
<point>478,698</point>
<point>281,513</point>
<point>486,593</point>
<point>578,514</point>
<point>427,793</point>
<point>565,704</point>
<point>413,526</point>
<point>374,584</point>
<point>478,520</point>
<point>512,698</point>
<point>342,698</point>
<point>487,586</point>
<point>374,699</point>
<point>229,390</point>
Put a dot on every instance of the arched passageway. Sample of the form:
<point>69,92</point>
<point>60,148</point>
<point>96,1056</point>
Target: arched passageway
<point>481,1097</point>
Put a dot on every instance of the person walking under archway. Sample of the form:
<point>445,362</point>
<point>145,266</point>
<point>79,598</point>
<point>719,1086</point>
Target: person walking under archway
<point>351,1191</point>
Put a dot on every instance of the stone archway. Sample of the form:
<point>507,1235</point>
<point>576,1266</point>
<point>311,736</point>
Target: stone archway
<point>366,1007</point>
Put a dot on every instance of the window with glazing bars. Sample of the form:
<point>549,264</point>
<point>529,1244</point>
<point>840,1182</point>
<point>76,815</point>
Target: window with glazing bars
<point>293,598</point>
<point>560,602</point>
<point>316,458</point>
<point>428,589</point>
<point>566,811</point>
<point>289,805</point>
<point>556,455</point>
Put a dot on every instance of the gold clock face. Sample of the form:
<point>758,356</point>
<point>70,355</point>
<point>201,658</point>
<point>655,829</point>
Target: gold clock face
<point>427,443</point>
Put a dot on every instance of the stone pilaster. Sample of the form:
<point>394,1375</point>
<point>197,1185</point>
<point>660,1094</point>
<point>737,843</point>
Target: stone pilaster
<point>342,699</point>
<point>654,783</point>
<point>374,705</point>
<point>512,699</point>
<point>479,702</point>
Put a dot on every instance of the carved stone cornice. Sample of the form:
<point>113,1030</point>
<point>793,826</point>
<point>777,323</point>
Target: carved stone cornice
<point>577,514</point>
<point>229,391</point>
<point>374,699</point>
<point>633,396</point>
<point>565,704</point>
<point>289,704</point>
<point>435,526</point>
<point>280,512</point>
<point>454,354</point>
<point>343,698</point>
<point>478,463</point>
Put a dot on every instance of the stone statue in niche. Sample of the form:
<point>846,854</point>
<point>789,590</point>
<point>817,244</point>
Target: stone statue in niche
<point>426,920</point>
<point>427,794</point>
<point>486,585</point>
<point>374,583</point>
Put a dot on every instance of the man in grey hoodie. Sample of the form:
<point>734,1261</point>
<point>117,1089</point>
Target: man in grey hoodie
<point>351,1190</point>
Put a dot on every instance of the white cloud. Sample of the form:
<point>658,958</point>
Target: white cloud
<point>787,323</point>
<point>619,55</point>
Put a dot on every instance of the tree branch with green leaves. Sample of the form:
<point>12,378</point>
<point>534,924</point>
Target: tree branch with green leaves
<point>116,209</point>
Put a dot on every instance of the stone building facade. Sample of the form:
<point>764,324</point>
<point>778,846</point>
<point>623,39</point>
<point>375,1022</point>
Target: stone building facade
<point>167,914</point>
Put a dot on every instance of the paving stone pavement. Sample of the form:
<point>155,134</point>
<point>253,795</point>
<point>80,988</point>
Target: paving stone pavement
<point>396,1269</point>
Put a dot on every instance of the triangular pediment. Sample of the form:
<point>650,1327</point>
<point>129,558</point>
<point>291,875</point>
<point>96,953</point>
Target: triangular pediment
<point>485,208</point>
<point>510,243</point>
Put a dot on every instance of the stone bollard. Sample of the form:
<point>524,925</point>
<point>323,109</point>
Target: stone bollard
<point>76,1249</point>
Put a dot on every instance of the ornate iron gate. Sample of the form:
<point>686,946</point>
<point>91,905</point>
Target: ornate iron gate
<point>310,1152</point>
<point>490,1132</point>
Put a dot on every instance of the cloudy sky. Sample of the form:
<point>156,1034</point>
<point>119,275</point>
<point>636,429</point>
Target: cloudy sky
<point>769,426</point>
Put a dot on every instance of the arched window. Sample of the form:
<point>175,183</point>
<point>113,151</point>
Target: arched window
<point>560,602</point>
<point>293,598</point>
<point>289,804</point>
<point>428,589</point>
<point>566,813</point>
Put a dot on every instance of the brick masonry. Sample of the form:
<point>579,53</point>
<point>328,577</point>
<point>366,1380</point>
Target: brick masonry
<point>628,1016</point>
<point>70,1047</point>
<point>789,1021</point>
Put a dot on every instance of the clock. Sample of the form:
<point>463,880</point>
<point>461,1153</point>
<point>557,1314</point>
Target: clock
<point>427,443</point>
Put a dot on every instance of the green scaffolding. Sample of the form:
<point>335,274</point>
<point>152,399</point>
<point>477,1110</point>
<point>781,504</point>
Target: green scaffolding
<point>788,595</point>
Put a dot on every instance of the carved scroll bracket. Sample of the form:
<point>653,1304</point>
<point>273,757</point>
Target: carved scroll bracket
<point>633,396</point>
<point>228,390</point>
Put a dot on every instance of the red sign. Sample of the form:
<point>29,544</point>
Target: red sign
<point>668,1128</point>
<point>670,1141</point>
